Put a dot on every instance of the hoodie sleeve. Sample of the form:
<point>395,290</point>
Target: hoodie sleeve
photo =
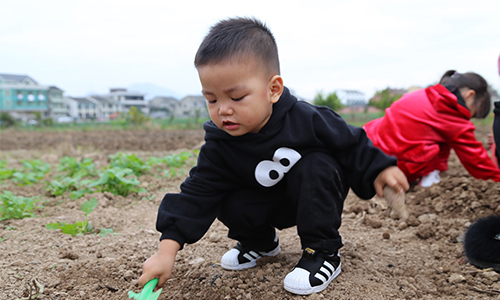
<point>353,150</point>
<point>474,156</point>
<point>185,217</point>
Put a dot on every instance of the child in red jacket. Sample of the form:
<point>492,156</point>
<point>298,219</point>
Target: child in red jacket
<point>422,127</point>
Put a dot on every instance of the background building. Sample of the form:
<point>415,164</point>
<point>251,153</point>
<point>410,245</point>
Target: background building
<point>56,103</point>
<point>22,96</point>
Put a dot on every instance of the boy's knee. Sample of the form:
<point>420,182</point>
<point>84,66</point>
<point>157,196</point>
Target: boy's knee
<point>245,207</point>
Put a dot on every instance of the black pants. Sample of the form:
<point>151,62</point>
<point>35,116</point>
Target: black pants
<point>311,196</point>
<point>496,128</point>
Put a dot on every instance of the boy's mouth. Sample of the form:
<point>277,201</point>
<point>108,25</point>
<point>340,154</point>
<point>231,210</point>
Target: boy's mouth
<point>230,125</point>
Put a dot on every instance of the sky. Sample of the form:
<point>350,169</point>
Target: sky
<point>90,46</point>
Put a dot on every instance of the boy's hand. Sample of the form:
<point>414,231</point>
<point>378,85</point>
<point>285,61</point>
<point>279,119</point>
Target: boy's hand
<point>391,184</point>
<point>392,177</point>
<point>161,264</point>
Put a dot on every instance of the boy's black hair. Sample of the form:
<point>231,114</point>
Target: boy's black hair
<point>482,243</point>
<point>239,38</point>
<point>473,81</point>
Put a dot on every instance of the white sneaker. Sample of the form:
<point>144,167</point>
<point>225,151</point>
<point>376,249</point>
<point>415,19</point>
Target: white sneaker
<point>429,179</point>
<point>313,273</point>
<point>240,258</point>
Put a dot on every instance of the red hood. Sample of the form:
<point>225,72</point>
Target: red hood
<point>445,102</point>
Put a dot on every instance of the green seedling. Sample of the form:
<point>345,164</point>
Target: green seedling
<point>31,172</point>
<point>67,184</point>
<point>117,181</point>
<point>130,161</point>
<point>16,207</point>
<point>105,231</point>
<point>149,198</point>
<point>36,165</point>
<point>5,172</point>
<point>154,161</point>
<point>79,227</point>
<point>22,178</point>
<point>80,193</point>
<point>147,292</point>
<point>177,160</point>
<point>174,163</point>
<point>72,168</point>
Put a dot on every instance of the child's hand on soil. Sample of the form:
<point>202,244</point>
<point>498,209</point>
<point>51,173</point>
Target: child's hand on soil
<point>392,177</point>
<point>391,184</point>
<point>161,264</point>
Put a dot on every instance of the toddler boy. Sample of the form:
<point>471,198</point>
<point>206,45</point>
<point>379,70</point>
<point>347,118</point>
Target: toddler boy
<point>269,161</point>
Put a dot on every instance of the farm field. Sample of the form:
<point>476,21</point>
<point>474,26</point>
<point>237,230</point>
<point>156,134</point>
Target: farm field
<point>383,258</point>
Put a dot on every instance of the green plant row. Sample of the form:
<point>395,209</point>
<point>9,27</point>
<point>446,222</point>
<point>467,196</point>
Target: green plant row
<point>16,207</point>
<point>31,172</point>
<point>80,177</point>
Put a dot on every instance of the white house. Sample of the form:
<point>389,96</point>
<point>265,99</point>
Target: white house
<point>192,106</point>
<point>106,106</point>
<point>86,107</point>
<point>57,103</point>
<point>72,107</point>
<point>163,107</point>
<point>127,99</point>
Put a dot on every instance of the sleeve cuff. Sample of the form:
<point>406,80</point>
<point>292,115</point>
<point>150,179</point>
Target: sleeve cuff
<point>176,236</point>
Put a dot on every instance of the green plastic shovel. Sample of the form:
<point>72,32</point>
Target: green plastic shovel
<point>147,292</point>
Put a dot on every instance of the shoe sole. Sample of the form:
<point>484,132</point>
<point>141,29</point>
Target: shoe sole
<point>314,289</point>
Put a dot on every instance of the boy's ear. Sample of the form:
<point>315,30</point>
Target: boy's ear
<point>276,88</point>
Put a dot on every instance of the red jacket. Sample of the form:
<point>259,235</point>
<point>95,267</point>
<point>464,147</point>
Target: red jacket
<point>422,127</point>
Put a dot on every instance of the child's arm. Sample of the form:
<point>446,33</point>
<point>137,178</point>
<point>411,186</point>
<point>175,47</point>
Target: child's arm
<point>160,265</point>
<point>393,177</point>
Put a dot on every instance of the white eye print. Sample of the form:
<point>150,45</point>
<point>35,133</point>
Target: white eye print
<point>269,172</point>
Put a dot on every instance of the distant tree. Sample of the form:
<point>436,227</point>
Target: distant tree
<point>6,120</point>
<point>38,118</point>
<point>331,100</point>
<point>135,116</point>
<point>384,98</point>
<point>48,122</point>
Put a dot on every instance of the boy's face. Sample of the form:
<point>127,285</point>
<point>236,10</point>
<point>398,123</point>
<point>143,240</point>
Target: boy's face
<point>240,95</point>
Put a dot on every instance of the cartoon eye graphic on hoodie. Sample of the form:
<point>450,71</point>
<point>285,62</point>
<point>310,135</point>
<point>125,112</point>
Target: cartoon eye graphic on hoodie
<point>269,172</point>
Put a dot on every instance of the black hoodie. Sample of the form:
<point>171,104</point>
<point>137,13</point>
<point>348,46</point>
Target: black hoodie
<point>227,163</point>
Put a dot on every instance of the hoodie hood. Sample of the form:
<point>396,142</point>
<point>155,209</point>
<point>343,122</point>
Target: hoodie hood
<point>280,109</point>
<point>445,101</point>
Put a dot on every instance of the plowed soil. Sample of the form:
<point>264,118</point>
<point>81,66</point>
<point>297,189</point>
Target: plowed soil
<point>383,258</point>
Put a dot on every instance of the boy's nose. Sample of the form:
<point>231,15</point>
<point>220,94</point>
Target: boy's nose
<point>225,110</point>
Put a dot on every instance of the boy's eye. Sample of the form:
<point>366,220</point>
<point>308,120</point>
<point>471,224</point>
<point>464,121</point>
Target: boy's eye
<point>237,99</point>
<point>212,101</point>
